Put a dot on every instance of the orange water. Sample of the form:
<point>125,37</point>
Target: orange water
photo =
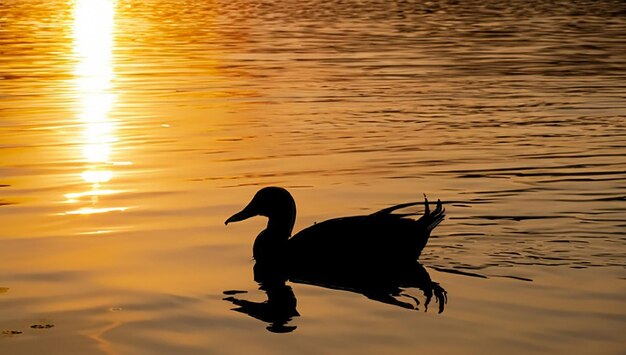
<point>130,130</point>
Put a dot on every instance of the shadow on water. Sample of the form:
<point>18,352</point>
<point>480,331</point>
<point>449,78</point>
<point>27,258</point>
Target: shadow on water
<point>374,255</point>
<point>387,285</point>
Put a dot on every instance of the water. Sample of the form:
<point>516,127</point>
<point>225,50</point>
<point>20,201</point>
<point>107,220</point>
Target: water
<point>131,130</point>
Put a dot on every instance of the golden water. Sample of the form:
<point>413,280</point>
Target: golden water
<point>130,130</point>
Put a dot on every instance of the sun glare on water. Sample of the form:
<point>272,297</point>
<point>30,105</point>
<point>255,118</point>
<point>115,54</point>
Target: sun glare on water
<point>93,26</point>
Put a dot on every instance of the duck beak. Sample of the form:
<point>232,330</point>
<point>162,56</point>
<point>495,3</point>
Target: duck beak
<point>242,215</point>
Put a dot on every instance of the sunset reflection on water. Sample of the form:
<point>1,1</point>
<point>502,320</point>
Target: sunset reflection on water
<point>93,27</point>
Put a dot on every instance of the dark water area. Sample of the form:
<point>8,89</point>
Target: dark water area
<point>130,130</point>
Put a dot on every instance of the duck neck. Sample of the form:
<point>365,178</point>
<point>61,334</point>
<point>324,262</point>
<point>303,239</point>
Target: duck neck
<point>280,221</point>
<point>281,226</point>
<point>271,243</point>
<point>281,217</point>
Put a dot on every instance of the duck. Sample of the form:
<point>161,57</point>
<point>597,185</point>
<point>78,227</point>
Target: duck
<point>366,243</point>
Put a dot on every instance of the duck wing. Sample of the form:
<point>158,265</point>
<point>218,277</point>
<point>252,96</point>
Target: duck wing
<point>381,237</point>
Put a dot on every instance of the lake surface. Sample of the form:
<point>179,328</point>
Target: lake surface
<point>130,130</point>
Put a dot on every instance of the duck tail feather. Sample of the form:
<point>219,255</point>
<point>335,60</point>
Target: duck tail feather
<point>388,210</point>
<point>431,219</point>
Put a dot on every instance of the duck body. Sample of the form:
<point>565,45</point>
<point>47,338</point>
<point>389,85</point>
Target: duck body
<point>369,238</point>
<point>383,238</point>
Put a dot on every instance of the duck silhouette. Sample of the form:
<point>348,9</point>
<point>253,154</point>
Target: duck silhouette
<point>380,239</point>
<point>373,255</point>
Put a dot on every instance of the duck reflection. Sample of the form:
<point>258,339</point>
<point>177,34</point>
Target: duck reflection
<point>280,306</point>
<point>386,285</point>
<point>374,255</point>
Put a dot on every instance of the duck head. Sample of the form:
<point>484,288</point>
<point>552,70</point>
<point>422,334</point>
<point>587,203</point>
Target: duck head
<point>276,204</point>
